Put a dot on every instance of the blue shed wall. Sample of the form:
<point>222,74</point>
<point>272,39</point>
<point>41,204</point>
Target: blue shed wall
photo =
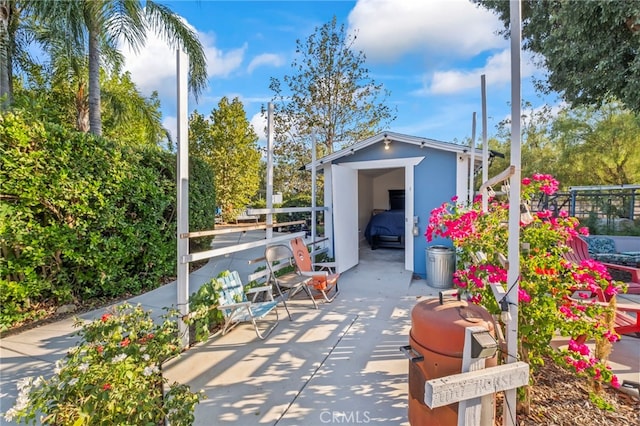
<point>435,183</point>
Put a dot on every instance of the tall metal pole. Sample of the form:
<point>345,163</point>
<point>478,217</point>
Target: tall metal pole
<point>269,194</point>
<point>313,187</point>
<point>182,61</point>
<point>472,168</point>
<point>513,271</point>
<point>485,144</point>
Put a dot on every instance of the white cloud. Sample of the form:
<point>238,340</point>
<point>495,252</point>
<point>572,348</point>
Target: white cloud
<point>154,66</point>
<point>259,123</point>
<point>497,70</point>
<point>266,59</point>
<point>388,29</point>
<point>219,63</point>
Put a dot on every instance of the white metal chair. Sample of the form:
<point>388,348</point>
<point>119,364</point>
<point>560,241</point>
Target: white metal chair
<point>292,282</point>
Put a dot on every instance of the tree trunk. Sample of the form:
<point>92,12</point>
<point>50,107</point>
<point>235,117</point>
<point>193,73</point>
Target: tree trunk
<point>95,118</point>
<point>82,109</point>
<point>6,92</point>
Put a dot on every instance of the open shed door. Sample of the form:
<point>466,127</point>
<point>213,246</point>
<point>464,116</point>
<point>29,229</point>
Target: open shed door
<point>344,184</point>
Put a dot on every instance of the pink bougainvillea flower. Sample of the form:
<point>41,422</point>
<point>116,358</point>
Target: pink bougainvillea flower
<point>523,296</point>
<point>611,290</point>
<point>476,298</point>
<point>614,382</point>
<point>547,278</point>
<point>544,214</point>
<point>567,312</point>
<point>612,337</point>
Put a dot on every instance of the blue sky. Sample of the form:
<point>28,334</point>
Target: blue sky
<point>428,53</point>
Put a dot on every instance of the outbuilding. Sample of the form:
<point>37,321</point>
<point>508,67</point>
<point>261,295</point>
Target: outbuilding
<point>390,171</point>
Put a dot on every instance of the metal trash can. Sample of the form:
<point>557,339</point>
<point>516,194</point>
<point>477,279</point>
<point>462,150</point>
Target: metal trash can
<point>436,344</point>
<point>441,263</point>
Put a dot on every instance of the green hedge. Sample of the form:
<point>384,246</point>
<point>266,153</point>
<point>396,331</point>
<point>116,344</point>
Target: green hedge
<point>84,217</point>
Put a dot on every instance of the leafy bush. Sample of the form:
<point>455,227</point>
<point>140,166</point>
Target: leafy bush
<point>546,281</point>
<point>204,317</point>
<point>300,200</point>
<point>113,377</point>
<point>84,217</point>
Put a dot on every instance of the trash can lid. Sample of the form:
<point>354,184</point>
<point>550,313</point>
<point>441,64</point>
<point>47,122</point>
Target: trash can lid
<point>441,327</point>
<point>439,248</point>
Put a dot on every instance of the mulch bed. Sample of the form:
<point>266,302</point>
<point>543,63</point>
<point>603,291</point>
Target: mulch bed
<point>560,398</point>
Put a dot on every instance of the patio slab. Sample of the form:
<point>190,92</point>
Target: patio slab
<point>338,364</point>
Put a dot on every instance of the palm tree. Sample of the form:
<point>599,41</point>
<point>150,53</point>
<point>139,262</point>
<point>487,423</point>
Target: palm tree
<point>10,43</point>
<point>97,25</point>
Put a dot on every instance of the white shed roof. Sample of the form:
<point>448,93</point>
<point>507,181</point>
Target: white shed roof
<point>395,137</point>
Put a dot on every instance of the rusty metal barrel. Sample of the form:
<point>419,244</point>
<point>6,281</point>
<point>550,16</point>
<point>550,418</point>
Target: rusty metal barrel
<point>436,344</point>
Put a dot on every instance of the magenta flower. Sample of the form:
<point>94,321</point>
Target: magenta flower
<point>612,337</point>
<point>611,290</point>
<point>523,296</point>
<point>614,382</point>
<point>544,214</point>
<point>548,280</point>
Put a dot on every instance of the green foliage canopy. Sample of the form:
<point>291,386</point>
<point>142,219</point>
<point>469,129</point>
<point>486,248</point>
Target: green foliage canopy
<point>228,143</point>
<point>83,217</point>
<point>589,47</point>
<point>93,28</point>
<point>582,146</point>
<point>329,96</point>
<point>128,116</point>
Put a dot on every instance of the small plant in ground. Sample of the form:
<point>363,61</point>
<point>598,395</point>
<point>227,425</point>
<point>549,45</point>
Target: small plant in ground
<point>546,282</point>
<point>203,315</point>
<point>113,377</point>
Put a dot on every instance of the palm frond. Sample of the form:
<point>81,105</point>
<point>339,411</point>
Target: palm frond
<point>125,19</point>
<point>172,28</point>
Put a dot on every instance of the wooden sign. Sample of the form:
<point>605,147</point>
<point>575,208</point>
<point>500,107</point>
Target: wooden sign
<point>459,387</point>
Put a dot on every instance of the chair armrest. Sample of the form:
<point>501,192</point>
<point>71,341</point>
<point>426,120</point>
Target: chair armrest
<point>628,307</point>
<point>624,307</point>
<point>266,288</point>
<point>635,272</point>
<point>234,305</point>
<point>314,273</point>
<point>257,290</point>
<point>330,266</point>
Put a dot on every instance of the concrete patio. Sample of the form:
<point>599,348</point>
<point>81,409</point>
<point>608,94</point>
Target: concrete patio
<point>338,364</point>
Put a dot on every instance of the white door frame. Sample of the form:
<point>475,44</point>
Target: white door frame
<point>408,164</point>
